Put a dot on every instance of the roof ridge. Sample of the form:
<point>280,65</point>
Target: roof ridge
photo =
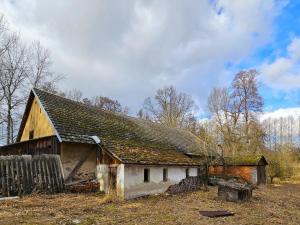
<point>81,103</point>
<point>116,113</point>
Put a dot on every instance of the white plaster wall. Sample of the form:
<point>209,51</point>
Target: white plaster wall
<point>102,177</point>
<point>120,180</point>
<point>134,185</point>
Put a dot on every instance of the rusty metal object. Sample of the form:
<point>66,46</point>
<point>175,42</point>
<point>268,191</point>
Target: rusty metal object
<point>218,213</point>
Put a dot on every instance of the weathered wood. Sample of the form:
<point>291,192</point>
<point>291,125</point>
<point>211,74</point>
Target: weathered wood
<point>44,179</point>
<point>2,175</point>
<point>7,177</point>
<point>25,174</point>
<point>42,175</point>
<point>28,173</point>
<point>54,176</point>
<point>50,176</point>
<point>59,170</point>
<point>18,174</point>
<point>12,175</point>
<point>234,191</point>
<point>35,174</point>
<point>49,184</point>
<point>44,145</point>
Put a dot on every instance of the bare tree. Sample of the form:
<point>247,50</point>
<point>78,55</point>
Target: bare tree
<point>246,98</point>
<point>21,68</point>
<point>14,68</point>
<point>40,74</point>
<point>226,119</point>
<point>143,115</point>
<point>5,42</point>
<point>5,37</point>
<point>170,107</point>
<point>106,103</point>
<point>87,101</point>
<point>234,112</point>
<point>75,95</point>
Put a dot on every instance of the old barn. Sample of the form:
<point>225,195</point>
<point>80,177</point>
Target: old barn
<point>128,156</point>
<point>250,168</point>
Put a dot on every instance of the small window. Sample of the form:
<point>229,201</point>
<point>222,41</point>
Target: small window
<point>187,172</point>
<point>31,134</point>
<point>165,174</point>
<point>146,175</point>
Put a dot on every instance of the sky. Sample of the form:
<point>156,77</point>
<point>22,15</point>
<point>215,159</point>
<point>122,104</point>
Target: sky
<point>128,49</point>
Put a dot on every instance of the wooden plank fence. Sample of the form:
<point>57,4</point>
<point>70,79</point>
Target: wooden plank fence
<point>25,174</point>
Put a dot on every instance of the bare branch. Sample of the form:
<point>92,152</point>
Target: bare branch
<point>171,108</point>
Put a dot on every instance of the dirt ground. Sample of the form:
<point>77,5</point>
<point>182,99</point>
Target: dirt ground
<point>270,205</point>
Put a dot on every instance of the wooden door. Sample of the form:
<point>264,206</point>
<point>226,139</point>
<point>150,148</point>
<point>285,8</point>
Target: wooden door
<point>112,178</point>
<point>261,175</point>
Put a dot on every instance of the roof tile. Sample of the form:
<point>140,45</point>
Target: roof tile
<point>133,140</point>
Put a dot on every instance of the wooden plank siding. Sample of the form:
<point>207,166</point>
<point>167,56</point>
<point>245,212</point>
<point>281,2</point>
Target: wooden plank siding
<point>45,145</point>
<point>37,122</point>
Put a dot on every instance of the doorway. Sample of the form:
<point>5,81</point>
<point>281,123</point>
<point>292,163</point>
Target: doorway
<point>112,179</point>
<point>261,175</point>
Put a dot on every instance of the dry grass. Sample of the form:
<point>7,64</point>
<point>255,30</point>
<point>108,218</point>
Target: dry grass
<point>278,204</point>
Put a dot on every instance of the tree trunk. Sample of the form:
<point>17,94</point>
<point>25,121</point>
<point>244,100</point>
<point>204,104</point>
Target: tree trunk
<point>9,122</point>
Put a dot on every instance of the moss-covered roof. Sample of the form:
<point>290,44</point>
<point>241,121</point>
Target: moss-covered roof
<point>131,139</point>
<point>245,160</point>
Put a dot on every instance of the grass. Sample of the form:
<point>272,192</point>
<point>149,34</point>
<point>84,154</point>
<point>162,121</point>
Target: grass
<point>277,204</point>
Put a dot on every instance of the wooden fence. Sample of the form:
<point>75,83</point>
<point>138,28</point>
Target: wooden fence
<point>25,174</point>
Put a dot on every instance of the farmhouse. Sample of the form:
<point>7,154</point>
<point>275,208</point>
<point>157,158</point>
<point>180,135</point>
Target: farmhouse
<point>126,155</point>
<point>250,168</point>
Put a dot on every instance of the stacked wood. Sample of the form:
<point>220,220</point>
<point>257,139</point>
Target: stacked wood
<point>84,187</point>
<point>186,185</point>
<point>21,175</point>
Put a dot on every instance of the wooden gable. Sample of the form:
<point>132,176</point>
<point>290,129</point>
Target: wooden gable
<point>37,123</point>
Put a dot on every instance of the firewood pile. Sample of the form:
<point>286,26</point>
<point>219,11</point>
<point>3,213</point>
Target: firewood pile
<point>87,186</point>
<point>186,185</point>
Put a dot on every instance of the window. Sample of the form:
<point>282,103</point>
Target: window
<point>146,175</point>
<point>165,174</point>
<point>187,172</point>
<point>31,134</point>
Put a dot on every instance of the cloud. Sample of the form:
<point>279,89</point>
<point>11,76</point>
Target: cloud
<point>284,72</point>
<point>281,113</point>
<point>127,49</point>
